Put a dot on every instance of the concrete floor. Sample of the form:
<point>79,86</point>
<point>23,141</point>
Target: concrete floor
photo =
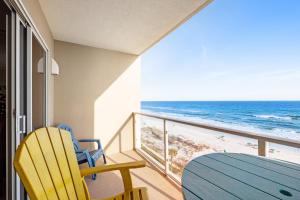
<point>110,183</point>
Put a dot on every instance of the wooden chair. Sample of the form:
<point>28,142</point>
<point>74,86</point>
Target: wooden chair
<point>84,155</point>
<point>46,163</point>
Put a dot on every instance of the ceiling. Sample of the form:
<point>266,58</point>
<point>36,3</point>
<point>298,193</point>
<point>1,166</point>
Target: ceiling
<point>129,26</point>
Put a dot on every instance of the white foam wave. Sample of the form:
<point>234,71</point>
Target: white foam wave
<point>273,117</point>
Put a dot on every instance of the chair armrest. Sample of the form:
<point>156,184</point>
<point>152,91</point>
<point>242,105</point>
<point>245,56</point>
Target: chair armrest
<point>92,140</point>
<point>112,167</point>
<point>123,168</point>
<point>87,155</point>
<point>81,151</point>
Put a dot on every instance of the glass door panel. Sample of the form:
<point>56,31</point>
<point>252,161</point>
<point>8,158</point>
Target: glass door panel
<point>22,89</point>
<point>4,91</point>
<point>38,84</point>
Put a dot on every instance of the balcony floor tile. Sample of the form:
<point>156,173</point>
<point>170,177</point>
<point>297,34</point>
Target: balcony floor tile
<point>110,183</point>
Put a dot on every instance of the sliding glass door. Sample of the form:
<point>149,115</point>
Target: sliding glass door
<point>22,89</point>
<point>30,90</point>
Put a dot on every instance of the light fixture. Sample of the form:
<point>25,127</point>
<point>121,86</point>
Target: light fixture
<point>40,65</point>
<point>54,67</point>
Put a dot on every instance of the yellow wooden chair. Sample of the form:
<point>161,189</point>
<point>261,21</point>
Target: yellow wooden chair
<point>47,165</point>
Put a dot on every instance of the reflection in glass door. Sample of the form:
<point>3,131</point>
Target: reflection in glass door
<point>5,14</point>
<point>38,84</point>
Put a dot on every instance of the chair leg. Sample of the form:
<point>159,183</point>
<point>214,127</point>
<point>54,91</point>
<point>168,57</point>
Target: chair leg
<point>91,163</point>
<point>94,165</point>
<point>104,158</point>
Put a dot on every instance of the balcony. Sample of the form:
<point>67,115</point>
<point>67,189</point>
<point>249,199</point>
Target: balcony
<point>157,140</point>
<point>98,87</point>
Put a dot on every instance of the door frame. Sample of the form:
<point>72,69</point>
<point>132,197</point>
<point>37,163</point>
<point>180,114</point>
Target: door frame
<point>20,8</point>
<point>22,119</point>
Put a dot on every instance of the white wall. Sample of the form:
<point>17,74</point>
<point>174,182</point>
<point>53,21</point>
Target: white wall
<point>96,92</point>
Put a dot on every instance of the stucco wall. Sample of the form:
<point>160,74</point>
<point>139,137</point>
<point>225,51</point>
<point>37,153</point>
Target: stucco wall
<point>37,16</point>
<point>96,92</point>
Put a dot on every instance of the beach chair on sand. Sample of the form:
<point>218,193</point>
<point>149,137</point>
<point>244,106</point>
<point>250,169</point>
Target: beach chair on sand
<point>83,155</point>
<point>46,163</point>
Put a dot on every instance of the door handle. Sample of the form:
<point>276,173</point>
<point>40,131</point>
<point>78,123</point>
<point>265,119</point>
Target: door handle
<point>22,122</point>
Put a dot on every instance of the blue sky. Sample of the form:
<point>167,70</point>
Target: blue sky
<point>231,50</point>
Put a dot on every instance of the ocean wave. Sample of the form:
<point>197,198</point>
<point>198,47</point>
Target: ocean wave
<point>295,117</point>
<point>279,132</point>
<point>274,117</point>
<point>287,131</point>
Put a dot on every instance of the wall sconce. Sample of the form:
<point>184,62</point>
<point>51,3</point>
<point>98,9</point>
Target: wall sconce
<point>41,65</point>
<point>54,67</point>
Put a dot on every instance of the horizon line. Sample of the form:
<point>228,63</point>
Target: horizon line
<point>220,100</point>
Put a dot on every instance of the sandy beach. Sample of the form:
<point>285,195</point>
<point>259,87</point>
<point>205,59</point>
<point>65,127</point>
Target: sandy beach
<point>187,142</point>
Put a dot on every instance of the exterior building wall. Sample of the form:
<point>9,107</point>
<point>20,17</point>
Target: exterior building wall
<point>96,92</point>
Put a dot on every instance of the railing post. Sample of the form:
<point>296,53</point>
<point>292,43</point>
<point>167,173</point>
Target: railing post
<point>262,147</point>
<point>166,148</point>
<point>134,131</point>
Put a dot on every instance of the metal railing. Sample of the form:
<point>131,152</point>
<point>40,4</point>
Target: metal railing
<point>262,139</point>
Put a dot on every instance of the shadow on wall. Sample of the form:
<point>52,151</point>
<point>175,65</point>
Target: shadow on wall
<point>113,109</point>
<point>96,92</point>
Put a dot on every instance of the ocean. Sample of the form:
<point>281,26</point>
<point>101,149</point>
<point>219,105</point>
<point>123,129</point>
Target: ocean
<point>276,118</point>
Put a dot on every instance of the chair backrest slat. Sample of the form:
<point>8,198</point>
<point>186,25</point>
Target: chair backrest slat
<point>41,166</point>
<point>70,130</point>
<point>72,161</point>
<point>46,163</point>
<point>51,162</point>
<point>28,174</point>
<point>62,161</point>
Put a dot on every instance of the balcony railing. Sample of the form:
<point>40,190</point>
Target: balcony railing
<point>169,143</point>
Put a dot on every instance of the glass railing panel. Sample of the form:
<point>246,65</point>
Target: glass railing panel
<point>283,152</point>
<point>186,142</point>
<point>152,137</point>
